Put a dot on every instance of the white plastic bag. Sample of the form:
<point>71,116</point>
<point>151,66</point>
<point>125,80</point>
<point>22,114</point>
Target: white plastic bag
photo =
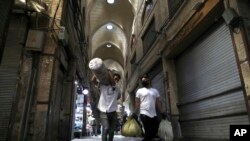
<point>165,130</point>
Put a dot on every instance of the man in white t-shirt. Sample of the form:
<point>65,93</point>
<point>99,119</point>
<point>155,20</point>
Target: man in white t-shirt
<point>107,105</point>
<point>146,101</point>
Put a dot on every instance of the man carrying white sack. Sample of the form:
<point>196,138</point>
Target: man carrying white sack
<point>109,94</point>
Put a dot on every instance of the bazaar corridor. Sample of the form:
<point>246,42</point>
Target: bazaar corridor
<point>184,60</point>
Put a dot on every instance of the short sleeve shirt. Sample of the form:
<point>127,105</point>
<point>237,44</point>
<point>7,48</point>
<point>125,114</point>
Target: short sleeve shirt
<point>108,98</point>
<point>147,98</point>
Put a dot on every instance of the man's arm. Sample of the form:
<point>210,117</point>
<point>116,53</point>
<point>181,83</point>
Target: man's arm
<point>137,105</point>
<point>159,105</point>
<point>94,80</point>
<point>119,93</point>
<point>111,78</point>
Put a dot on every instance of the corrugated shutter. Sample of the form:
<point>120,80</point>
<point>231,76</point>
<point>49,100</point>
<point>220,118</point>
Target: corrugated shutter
<point>9,71</point>
<point>158,82</point>
<point>7,92</point>
<point>5,8</point>
<point>209,87</point>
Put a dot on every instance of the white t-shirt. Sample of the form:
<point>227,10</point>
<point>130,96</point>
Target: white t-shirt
<point>108,98</point>
<point>91,120</point>
<point>147,98</point>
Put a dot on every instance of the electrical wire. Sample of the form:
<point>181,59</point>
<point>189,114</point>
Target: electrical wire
<point>49,28</point>
<point>53,20</point>
<point>77,21</point>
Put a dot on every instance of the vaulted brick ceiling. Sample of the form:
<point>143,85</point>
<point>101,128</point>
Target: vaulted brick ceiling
<point>120,15</point>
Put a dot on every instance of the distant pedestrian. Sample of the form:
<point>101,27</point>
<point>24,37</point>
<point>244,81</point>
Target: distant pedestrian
<point>92,122</point>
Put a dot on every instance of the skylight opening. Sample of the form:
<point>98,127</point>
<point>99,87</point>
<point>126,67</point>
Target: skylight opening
<point>110,1</point>
<point>109,27</point>
<point>108,45</point>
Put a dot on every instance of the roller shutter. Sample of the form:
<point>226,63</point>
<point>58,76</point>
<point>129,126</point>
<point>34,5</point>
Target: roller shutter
<point>158,82</point>
<point>9,71</point>
<point>5,9</point>
<point>209,87</point>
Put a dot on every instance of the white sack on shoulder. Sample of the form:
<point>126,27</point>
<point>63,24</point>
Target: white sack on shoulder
<point>99,69</point>
<point>95,64</point>
<point>165,130</point>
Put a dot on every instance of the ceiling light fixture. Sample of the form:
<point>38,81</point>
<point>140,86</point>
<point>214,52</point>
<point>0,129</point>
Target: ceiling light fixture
<point>108,45</point>
<point>110,1</point>
<point>85,91</point>
<point>109,27</point>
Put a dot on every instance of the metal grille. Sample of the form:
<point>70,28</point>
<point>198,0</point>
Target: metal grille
<point>209,87</point>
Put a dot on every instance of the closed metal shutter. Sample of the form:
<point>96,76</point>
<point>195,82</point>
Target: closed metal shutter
<point>158,82</point>
<point>8,78</point>
<point>9,71</point>
<point>209,87</point>
<point>5,8</point>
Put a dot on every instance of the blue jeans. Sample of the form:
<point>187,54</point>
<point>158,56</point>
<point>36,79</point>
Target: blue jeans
<point>108,121</point>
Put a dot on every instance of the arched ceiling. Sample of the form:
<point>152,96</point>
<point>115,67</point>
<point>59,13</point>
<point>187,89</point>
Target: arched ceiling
<point>120,13</point>
<point>115,37</point>
<point>121,16</point>
<point>113,53</point>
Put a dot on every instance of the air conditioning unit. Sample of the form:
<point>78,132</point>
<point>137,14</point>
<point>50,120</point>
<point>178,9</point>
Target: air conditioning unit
<point>35,40</point>
<point>63,36</point>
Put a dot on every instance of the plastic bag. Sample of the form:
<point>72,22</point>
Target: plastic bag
<point>165,130</point>
<point>131,128</point>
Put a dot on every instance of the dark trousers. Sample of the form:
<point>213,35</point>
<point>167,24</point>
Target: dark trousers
<point>108,121</point>
<point>94,128</point>
<point>150,126</point>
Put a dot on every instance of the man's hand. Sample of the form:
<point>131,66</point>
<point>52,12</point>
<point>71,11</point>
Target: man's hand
<point>163,116</point>
<point>134,116</point>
